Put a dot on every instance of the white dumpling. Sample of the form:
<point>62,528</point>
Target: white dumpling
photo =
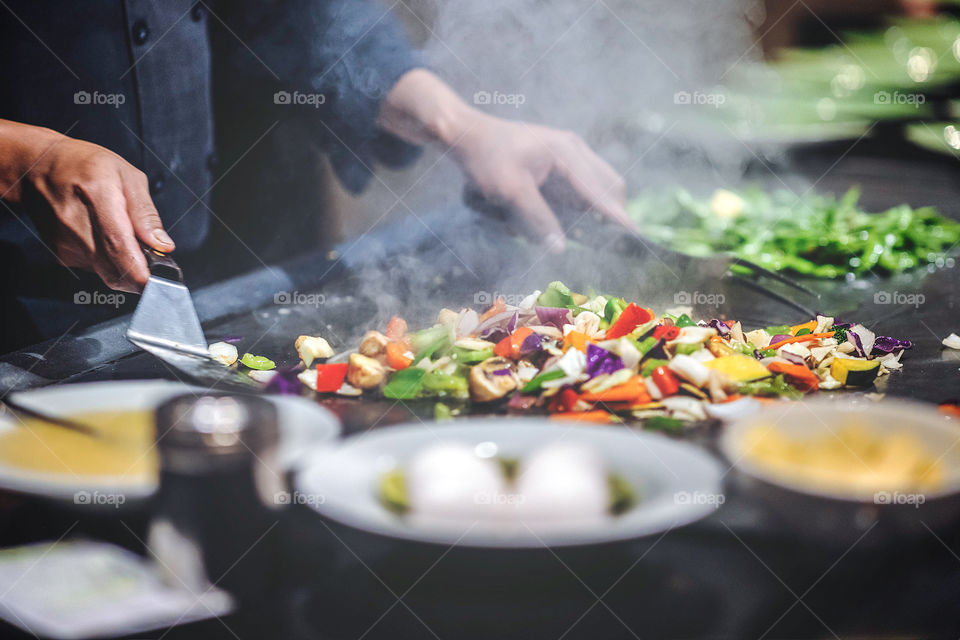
<point>450,482</point>
<point>563,483</point>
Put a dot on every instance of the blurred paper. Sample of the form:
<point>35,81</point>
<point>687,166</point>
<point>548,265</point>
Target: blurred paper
<point>82,589</point>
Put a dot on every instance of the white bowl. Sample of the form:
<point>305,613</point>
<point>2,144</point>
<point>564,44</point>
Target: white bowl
<point>819,418</point>
<point>676,483</point>
<point>303,423</point>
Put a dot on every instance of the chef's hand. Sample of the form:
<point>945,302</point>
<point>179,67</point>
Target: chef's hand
<point>508,162</point>
<point>88,203</point>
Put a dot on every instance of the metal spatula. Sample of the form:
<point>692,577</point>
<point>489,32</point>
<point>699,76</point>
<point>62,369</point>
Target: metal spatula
<point>165,323</point>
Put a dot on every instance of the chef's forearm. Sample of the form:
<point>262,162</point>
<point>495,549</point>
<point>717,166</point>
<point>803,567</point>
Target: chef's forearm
<point>421,108</point>
<point>21,146</point>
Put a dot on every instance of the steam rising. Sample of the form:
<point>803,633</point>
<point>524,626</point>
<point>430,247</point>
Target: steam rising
<point>609,70</point>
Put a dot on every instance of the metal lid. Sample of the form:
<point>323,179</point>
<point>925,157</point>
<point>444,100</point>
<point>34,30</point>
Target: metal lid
<point>213,427</point>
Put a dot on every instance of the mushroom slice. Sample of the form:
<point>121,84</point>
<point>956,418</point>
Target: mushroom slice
<point>223,352</point>
<point>312,348</point>
<point>492,379</point>
<point>373,344</point>
<point>364,372</point>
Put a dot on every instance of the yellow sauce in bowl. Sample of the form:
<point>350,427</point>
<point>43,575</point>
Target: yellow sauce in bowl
<point>853,458</point>
<point>126,449</point>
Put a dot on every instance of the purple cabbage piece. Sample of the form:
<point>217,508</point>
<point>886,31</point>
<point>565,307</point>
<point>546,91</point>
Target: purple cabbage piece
<point>793,358</point>
<point>530,344</point>
<point>780,336</point>
<point>231,339</point>
<point>600,361</point>
<point>722,329</point>
<point>554,316</point>
<point>657,351</point>
<point>886,344</point>
<point>862,338</point>
<point>502,372</point>
<point>285,382</point>
<point>498,327</point>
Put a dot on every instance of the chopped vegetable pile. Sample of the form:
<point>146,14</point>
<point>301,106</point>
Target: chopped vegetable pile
<point>602,359</point>
<point>820,236</point>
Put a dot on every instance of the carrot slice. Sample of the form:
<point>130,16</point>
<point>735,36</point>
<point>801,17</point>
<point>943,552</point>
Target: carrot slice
<point>633,390</point>
<point>796,374</point>
<point>498,306</point>
<point>395,356</point>
<point>575,339</point>
<point>810,326</point>
<point>509,347</point>
<point>597,416</point>
<point>803,338</point>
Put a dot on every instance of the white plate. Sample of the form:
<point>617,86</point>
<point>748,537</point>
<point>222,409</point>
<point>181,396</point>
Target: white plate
<point>302,424</point>
<point>676,482</point>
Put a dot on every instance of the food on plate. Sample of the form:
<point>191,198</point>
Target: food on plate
<point>820,236</point>
<point>257,363</point>
<point>564,483</point>
<point>952,341</point>
<point>853,458</point>
<point>601,358</point>
<point>125,450</point>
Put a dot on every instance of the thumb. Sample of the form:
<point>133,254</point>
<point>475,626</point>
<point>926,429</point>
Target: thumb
<point>144,217</point>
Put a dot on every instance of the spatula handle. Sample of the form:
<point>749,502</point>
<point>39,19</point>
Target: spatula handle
<point>162,265</point>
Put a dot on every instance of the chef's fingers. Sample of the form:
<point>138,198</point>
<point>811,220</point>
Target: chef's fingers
<point>143,214</point>
<point>118,259</point>
<point>537,215</point>
<point>596,182</point>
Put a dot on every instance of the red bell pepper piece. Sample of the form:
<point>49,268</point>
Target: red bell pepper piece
<point>330,377</point>
<point>665,380</point>
<point>630,318</point>
<point>667,332</point>
<point>564,402</point>
<point>509,347</point>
